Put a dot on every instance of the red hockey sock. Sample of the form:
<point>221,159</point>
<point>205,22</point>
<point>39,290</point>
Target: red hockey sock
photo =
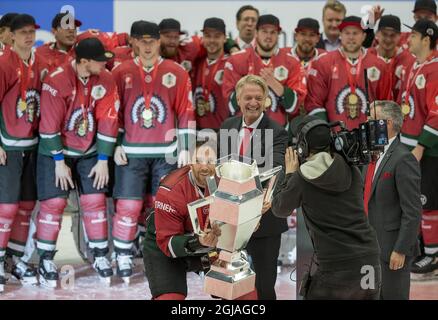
<point>20,228</point>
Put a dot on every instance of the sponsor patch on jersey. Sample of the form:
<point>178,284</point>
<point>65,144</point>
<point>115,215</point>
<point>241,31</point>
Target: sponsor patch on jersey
<point>281,73</point>
<point>51,90</point>
<point>420,81</point>
<point>219,77</point>
<point>373,74</point>
<point>168,80</point>
<point>98,92</point>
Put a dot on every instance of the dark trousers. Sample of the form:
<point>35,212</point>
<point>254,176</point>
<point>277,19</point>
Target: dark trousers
<point>396,284</point>
<point>264,254</point>
<point>343,284</point>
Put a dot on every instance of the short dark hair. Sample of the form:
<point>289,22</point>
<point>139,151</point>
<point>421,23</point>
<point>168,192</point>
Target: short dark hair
<point>243,9</point>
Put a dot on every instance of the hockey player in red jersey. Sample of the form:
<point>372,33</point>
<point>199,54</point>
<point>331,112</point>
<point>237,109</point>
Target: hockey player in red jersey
<point>21,74</point>
<point>397,59</point>
<point>78,131</point>
<point>419,102</point>
<point>336,84</point>
<point>306,37</point>
<point>280,70</point>
<point>170,249</point>
<point>211,107</point>
<point>156,101</point>
<point>64,28</point>
<point>110,40</point>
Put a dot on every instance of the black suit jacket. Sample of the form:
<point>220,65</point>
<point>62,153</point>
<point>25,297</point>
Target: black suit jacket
<point>394,209</point>
<point>266,154</point>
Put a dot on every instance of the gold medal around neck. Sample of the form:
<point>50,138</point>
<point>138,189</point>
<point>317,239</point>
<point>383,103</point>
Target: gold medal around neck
<point>22,105</point>
<point>353,99</point>
<point>82,131</point>
<point>405,108</point>
<point>147,114</point>
<point>200,107</point>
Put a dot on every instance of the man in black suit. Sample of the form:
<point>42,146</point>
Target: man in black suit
<point>392,198</point>
<point>254,135</point>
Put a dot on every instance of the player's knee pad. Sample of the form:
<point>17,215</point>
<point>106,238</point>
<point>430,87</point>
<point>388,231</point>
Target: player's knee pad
<point>125,222</point>
<point>95,219</point>
<point>49,222</point>
<point>20,228</point>
<point>8,212</point>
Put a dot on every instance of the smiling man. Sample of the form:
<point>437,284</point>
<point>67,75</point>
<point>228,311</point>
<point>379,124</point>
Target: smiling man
<point>254,127</point>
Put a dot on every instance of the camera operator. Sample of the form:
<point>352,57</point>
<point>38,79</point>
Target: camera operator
<point>330,193</point>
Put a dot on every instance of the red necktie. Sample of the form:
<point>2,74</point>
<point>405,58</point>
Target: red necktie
<point>245,140</point>
<point>368,183</point>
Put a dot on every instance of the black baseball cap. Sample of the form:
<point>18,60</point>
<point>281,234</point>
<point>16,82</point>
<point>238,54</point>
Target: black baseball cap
<point>93,49</point>
<point>307,23</point>
<point>391,22</point>
<point>23,20</point>
<point>214,23</point>
<point>268,19</point>
<point>170,24</point>
<point>7,18</point>
<point>145,29</point>
<point>56,22</point>
<point>428,5</point>
<point>426,28</point>
<point>317,138</point>
<point>351,21</point>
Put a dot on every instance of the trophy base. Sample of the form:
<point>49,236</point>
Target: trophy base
<point>226,287</point>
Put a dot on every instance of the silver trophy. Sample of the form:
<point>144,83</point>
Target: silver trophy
<point>235,205</point>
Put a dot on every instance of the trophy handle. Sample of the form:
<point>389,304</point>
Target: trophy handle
<point>192,207</point>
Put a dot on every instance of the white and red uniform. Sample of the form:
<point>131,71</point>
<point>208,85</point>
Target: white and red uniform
<point>336,87</point>
<point>287,71</point>
<point>397,65</point>
<point>170,102</point>
<point>211,107</point>
<point>55,56</point>
<point>419,100</point>
<point>19,82</point>
<point>79,119</point>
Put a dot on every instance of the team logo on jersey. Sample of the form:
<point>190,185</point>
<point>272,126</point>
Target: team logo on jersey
<point>203,107</point>
<point>97,92</point>
<point>187,65</point>
<point>373,74</point>
<point>408,109</point>
<point>420,81</point>
<point>352,103</point>
<point>281,73</point>
<point>168,80</point>
<point>30,108</point>
<point>79,125</point>
<point>219,77</point>
<point>147,117</point>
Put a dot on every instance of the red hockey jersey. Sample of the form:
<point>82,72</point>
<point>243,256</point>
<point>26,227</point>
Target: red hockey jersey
<point>110,40</point>
<point>172,220</point>
<point>148,129</point>
<point>55,57</point>
<point>78,118</point>
<point>329,91</point>
<point>419,101</point>
<point>397,65</point>
<point>211,107</point>
<point>287,71</point>
<point>188,52</point>
<point>20,91</point>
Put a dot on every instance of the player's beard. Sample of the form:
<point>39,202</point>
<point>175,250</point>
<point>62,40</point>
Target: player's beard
<point>266,48</point>
<point>352,48</point>
<point>168,53</point>
<point>306,48</point>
